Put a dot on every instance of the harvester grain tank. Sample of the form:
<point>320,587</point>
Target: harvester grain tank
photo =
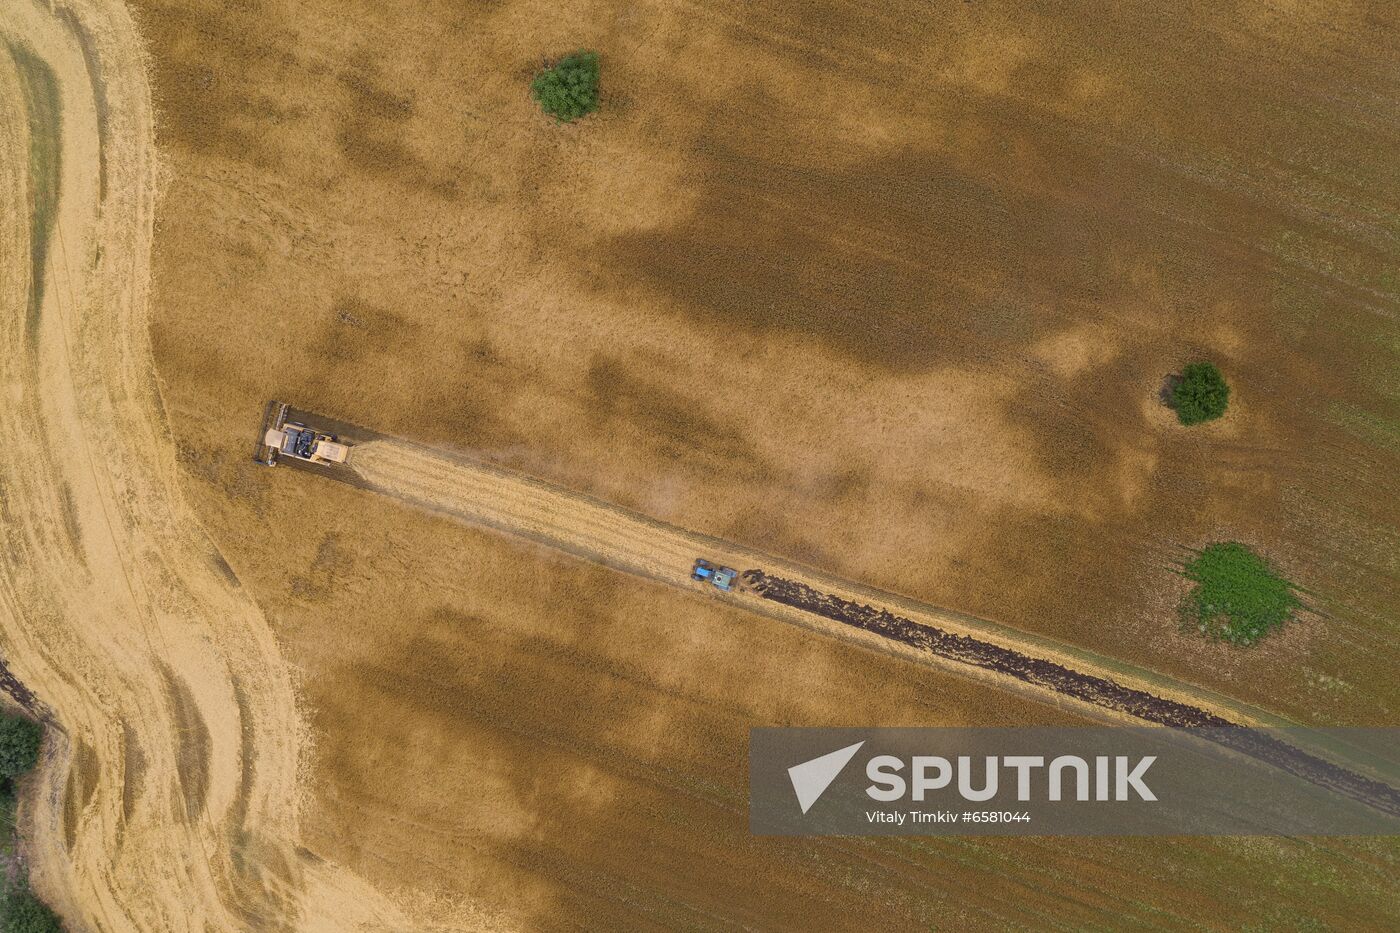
<point>284,438</point>
<point>303,443</point>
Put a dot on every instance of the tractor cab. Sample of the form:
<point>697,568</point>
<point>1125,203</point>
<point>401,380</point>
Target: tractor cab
<point>722,577</point>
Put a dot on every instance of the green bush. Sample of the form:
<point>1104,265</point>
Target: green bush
<point>22,912</point>
<point>19,745</point>
<point>1201,395</point>
<point>1237,598</point>
<point>569,90</point>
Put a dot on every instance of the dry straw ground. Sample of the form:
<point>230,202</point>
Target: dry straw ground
<point>888,288</point>
<point>170,787</point>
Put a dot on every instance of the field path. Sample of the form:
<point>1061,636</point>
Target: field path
<point>635,543</point>
<point>168,795</point>
<point>1007,658</point>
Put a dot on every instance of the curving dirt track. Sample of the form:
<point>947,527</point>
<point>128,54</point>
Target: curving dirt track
<point>168,794</point>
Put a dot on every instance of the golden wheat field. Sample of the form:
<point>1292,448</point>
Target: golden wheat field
<point>887,290</point>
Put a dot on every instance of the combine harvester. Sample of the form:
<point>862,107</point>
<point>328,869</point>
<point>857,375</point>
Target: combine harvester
<point>289,439</point>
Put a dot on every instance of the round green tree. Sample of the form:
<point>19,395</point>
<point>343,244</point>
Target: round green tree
<point>1201,395</point>
<point>1237,597</point>
<point>569,89</point>
<point>19,745</point>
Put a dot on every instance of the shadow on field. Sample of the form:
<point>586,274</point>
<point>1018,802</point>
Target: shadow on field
<point>1001,231</point>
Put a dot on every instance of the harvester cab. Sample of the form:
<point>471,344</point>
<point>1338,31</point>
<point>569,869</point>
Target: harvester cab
<point>302,443</point>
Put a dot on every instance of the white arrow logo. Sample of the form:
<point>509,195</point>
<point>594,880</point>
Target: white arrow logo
<point>811,778</point>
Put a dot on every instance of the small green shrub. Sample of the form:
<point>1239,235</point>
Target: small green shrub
<point>569,90</point>
<point>1201,395</point>
<point>22,912</point>
<point>1237,598</point>
<point>19,745</point>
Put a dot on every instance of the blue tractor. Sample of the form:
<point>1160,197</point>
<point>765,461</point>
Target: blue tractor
<point>721,577</point>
